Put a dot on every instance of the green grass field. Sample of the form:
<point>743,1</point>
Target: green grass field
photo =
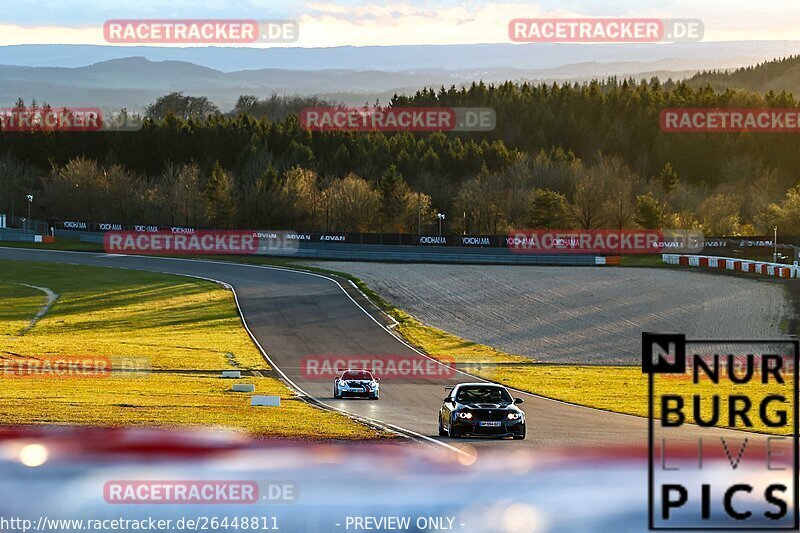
<point>188,330</point>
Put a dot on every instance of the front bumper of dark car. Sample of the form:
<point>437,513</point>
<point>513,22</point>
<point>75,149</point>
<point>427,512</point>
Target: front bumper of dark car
<point>489,428</point>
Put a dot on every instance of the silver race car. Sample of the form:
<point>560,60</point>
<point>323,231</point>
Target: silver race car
<point>356,384</point>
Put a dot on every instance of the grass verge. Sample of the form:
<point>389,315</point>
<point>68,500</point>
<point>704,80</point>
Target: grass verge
<point>185,330</point>
<point>71,245</point>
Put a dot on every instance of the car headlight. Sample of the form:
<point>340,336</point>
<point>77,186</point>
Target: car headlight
<point>373,384</point>
<point>465,415</point>
<point>342,384</point>
<point>514,416</point>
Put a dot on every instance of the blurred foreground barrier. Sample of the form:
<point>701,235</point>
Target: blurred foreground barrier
<point>778,270</point>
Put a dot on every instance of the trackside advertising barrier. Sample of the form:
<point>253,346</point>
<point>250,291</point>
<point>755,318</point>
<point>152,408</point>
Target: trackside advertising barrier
<point>604,241</point>
<point>778,270</point>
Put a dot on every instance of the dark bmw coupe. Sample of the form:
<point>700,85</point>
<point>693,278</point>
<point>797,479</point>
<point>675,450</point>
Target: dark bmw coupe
<point>481,409</point>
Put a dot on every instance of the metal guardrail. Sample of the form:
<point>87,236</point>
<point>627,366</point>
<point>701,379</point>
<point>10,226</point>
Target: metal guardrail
<point>83,236</point>
<point>406,254</point>
<point>18,235</point>
<point>415,254</point>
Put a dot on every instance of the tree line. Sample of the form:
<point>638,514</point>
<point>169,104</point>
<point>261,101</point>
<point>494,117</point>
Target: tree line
<point>571,155</point>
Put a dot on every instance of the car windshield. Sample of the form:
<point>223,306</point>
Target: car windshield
<point>483,395</point>
<point>360,375</point>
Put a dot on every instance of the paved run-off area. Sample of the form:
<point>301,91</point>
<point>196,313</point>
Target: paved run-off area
<point>578,314</point>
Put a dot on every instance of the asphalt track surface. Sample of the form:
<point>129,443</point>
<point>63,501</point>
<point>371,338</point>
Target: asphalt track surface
<point>293,315</point>
<point>569,314</point>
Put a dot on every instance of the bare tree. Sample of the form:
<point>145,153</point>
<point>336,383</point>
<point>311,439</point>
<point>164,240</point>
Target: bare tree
<point>355,205</point>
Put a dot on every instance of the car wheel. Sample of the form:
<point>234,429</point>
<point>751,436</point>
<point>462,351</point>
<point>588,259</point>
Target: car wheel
<point>451,432</point>
<point>374,397</point>
<point>336,392</point>
<point>520,437</point>
<point>442,432</point>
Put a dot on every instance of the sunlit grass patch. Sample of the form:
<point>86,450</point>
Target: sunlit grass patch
<point>18,306</point>
<point>623,389</point>
<point>186,331</point>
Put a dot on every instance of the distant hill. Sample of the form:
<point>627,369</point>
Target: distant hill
<point>778,75</point>
<point>458,57</point>
<point>134,82</point>
<point>112,77</point>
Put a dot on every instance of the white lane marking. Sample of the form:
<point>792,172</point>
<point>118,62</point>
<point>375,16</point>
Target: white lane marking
<point>51,299</point>
<point>379,423</point>
<point>395,323</point>
<point>306,272</point>
<point>562,402</point>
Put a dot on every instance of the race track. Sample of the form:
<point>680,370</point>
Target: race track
<point>577,314</point>
<point>294,315</point>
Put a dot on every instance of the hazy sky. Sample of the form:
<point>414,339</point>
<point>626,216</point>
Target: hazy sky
<point>371,22</point>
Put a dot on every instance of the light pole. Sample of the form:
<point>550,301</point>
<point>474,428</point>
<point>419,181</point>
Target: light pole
<point>440,216</point>
<point>775,243</point>
<point>30,202</point>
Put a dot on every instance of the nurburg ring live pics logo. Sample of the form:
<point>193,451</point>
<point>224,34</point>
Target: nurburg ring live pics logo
<point>722,433</point>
